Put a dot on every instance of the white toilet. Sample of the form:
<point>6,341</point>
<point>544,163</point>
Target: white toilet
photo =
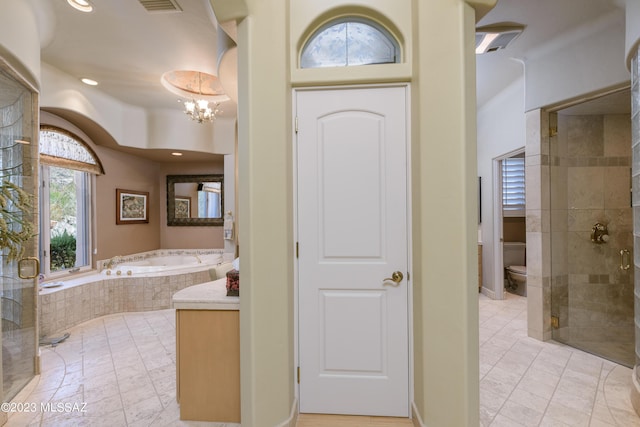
<point>515,270</point>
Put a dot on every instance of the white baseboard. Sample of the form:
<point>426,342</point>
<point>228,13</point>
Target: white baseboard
<point>293,416</point>
<point>417,421</point>
<point>635,391</point>
<point>489,293</point>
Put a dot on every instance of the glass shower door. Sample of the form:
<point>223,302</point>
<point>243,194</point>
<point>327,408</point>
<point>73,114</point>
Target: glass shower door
<point>592,234</point>
<point>18,181</point>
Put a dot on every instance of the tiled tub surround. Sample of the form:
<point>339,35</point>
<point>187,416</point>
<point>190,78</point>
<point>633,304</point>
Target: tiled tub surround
<point>91,296</point>
<point>163,256</point>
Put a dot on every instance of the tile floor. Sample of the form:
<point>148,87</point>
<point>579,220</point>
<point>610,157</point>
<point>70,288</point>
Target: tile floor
<point>525,382</point>
<point>314,420</point>
<point>123,367</point>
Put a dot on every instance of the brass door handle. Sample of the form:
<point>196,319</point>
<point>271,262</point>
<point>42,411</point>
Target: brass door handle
<point>396,278</point>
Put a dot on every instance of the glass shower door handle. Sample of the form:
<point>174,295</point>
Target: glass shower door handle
<point>28,268</point>
<point>625,257</point>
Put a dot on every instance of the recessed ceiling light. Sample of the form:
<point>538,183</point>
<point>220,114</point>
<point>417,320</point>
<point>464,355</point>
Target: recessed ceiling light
<point>175,153</point>
<point>81,5</point>
<point>89,82</point>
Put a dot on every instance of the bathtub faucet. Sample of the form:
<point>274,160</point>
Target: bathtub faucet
<point>112,261</point>
<point>198,258</point>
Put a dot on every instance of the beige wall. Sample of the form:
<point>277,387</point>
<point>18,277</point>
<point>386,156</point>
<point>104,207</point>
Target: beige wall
<point>440,64</point>
<point>125,172</point>
<point>439,37</point>
<point>445,216</point>
<point>514,229</point>
<point>131,172</point>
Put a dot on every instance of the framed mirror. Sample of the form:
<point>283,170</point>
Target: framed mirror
<point>195,200</point>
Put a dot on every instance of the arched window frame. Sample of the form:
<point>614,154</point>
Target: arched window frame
<point>323,30</point>
<point>79,159</point>
<point>94,167</point>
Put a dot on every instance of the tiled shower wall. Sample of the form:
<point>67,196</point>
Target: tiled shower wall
<point>538,225</point>
<point>590,183</point>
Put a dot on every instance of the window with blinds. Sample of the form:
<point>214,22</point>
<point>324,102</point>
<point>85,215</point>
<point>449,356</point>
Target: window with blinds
<point>513,187</point>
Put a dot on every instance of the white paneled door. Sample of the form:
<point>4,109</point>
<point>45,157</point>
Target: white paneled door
<point>353,250</point>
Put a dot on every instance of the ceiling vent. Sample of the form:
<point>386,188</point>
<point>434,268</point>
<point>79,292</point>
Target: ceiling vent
<point>495,37</point>
<point>161,6</point>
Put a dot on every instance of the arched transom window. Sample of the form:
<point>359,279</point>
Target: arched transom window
<point>62,148</point>
<point>347,42</point>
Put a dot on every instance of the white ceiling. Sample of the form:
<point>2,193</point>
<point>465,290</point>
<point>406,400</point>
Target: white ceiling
<point>127,49</point>
<point>547,23</point>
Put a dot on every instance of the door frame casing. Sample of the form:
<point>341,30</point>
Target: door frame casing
<point>498,218</point>
<point>296,284</point>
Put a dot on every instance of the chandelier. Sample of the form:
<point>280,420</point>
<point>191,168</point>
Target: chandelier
<point>199,110</point>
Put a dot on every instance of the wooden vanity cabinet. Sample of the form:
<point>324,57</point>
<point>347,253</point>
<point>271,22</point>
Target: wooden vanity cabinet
<point>208,365</point>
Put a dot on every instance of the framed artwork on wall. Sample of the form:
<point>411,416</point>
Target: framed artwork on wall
<point>132,207</point>
<point>183,207</point>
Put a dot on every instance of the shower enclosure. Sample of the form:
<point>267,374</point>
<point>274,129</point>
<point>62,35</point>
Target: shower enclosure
<point>592,274</point>
<point>18,169</point>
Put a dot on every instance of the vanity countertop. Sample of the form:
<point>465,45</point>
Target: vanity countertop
<point>206,296</point>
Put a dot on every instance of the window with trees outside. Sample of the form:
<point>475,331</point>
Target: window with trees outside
<point>68,168</point>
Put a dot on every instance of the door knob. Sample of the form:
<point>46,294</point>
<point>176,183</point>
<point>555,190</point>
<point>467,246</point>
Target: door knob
<point>396,277</point>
